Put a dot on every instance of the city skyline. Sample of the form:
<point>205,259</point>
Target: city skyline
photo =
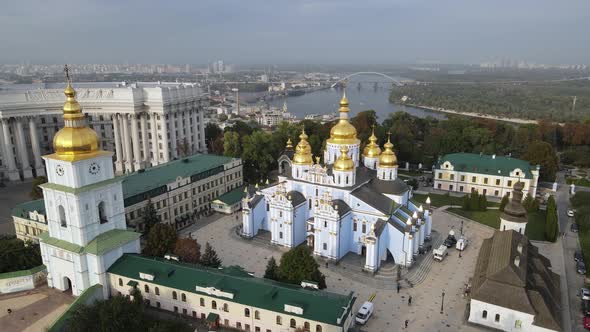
<point>295,32</point>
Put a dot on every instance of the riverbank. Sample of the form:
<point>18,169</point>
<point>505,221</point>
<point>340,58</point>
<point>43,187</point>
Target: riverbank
<point>474,115</point>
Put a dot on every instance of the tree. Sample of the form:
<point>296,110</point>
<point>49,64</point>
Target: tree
<point>272,269</point>
<point>161,240</point>
<point>150,217</point>
<point>466,203</point>
<point>210,258</point>
<point>474,201</point>
<point>188,250</point>
<point>551,228</point>
<point>504,202</point>
<point>231,144</point>
<point>212,132</point>
<point>530,204</point>
<point>298,264</point>
<point>36,191</point>
<point>542,153</point>
<point>483,203</point>
<point>257,157</point>
<point>16,254</point>
<point>115,314</point>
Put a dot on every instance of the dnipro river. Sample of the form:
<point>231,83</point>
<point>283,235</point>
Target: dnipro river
<point>367,97</point>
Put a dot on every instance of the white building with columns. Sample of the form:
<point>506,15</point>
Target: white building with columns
<point>146,124</point>
<point>343,205</point>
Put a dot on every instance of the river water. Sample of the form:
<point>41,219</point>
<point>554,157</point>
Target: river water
<point>364,97</point>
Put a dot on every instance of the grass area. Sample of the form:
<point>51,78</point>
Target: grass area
<point>583,182</point>
<point>439,200</point>
<point>409,173</point>
<point>535,229</point>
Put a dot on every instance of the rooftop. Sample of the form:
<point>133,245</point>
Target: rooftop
<point>232,197</point>
<point>486,164</point>
<point>262,293</point>
<point>101,244</point>
<point>22,210</point>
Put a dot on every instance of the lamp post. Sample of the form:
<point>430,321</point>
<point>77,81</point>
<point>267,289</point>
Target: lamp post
<point>442,302</point>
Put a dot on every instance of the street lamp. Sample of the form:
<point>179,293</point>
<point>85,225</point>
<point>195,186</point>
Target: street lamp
<point>442,302</point>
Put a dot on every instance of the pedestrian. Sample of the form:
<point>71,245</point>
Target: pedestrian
<point>398,287</point>
<point>406,323</point>
<point>326,265</point>
<point>410,300</point>
<point>9,311</point>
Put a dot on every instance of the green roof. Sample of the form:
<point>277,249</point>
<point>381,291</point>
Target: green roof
<point>101,244</point>
<point>212,317</point>
<point>145,180</point>
<point>232,197</point>
<point>486,164</point>
<point>262,293</point>
<point>22,273</point>
<point>22,210</point>
<point>82,189</point>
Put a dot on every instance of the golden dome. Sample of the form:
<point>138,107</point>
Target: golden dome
<point>289,144</point>
<point>343,132</point>
<point>344,162</point>
<point>303,154</point>
<point>388,159</point>
<point>76,140</point>
<point>372,150</point>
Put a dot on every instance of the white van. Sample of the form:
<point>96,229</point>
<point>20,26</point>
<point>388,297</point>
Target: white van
<point>364,313</point>
<point>440,253</point>
<point>461,244</point>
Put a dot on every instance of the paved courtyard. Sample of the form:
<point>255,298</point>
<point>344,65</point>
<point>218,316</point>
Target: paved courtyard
<point>391,308</point>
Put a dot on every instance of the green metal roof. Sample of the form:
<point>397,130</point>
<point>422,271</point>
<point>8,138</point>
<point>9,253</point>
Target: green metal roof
<point>22,273</point>
<point>22,210</point>
<point>82,189</point>
<point>212,317</point>
<point>486,164</point>
<point>110,240</point>
<point>262,293</point>
<point>154,177</point>
<point>232,197</point>
<point>71,247</point>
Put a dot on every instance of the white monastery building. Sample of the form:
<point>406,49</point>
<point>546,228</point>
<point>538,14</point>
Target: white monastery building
<point>146,124</point>
<point>347,204</point>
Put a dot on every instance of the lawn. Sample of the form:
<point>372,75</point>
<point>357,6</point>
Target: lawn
<point>583,182</point>
<point>535,229</point>
<point>439,200</point>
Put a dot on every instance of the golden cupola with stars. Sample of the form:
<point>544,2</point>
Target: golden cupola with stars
<point>76,140</point>
<point>344,162</point>
<point>303,154</point>
<point>372,149</point>
<point>343,132</point>
<point>387,158</point>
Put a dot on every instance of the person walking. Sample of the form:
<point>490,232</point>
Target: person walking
<point>398,287</point>
<point>410,300</point>
<point>406,323</point>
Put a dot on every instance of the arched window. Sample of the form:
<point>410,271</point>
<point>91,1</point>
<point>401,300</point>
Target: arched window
<point>174,295</point>
<point>146,288</point>
<point>247,312</point>
<point>157,291</point>
<point>293,323</point>
<point>256,314</point>
<point>484,314</point>
<point>497,319</point>
<point>102,215</point>
<point>62,216</point>
<point>183,297</point>
<point>225,307</point>
<point>202,302</point>
<point>306,326</point>
<point>279,320</point>
<point>213,305</point>
<point>120,282</point>
<point>318,328</point>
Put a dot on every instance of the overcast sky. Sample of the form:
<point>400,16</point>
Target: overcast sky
<point>294,31</point>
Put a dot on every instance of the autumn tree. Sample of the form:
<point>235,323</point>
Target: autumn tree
<point>188,250</point>
<point>542,153</point>
<point>161,240</point>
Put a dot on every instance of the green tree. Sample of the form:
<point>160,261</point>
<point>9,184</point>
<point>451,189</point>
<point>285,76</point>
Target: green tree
<point>529,203</point>
<point>16,254</point>
<point>150,217</point>
<point>212,133</point>
<point>551,227</point>
<point>36,191</point>
<point>231,144</point>
<point>272,269</point>
<point>474,201</point>
<point>115,314</point>
<point>298,264</point>
<point>542,153</point>
<point>504,202</point>
<point>188,250</point>
<point>466,203</point>
<point>483,203</point>
<point>161,240</point>
<point>257,157</point>
<point>209,257</point>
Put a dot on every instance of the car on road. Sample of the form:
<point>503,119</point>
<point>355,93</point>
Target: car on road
<point>586,307</point>
<point>440,253</point>
<point>364,313</point>
<point>584,293</point>
<point>570,213</point>
<point>574,228</point>
<point>578,256</point>
<point>581,267</point>
<point>587,323</point>
<point>451,240</point>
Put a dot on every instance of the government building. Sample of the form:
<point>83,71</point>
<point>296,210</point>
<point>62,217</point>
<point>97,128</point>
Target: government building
<point>489,175</point>
<point>89,251</point>
<point>353,202</point>
<point>146,124</point>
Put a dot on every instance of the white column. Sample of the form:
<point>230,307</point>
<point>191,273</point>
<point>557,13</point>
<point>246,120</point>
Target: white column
<point>118,147</point>
<point>188,136</point>
<point>22,149</point>
<point>409,249</point>
<point>135,140</point>
<point>165,149</point>
<point>144,140</point>
<point>127,140</point>
<point>39,169</point>
<point>195,130</point>
<point>155,148</point>
<point>202,131</point>
<point>8,152</point>
<point>173,135</point>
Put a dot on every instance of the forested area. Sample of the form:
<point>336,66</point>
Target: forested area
<point>540,100</point>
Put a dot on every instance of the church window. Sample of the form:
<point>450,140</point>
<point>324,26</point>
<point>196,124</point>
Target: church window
<point>146,288</point>
<point>183,297</point>
<point>461,188</point>
<point>390,176</point>
<point>247,312</point>
<point>325,246</point>
<point>310,203</point>
<point>174,295</point>
<point>306,326</point>
<point>364,228</point>
<point>62,216</point>
<point>484,314</point>
<point>102,216</point>
<point>439,186</point>
<point>267,206</point>
<point>354,226</point>
<point>213,305</point>
<point>318,328</point>
<point>293,323</point>
<point>347,179</point>
<point>325,224</point>
<point>317,192</point>
<point>115,197</point>
<point>497,318</point>
<point>280,235</point>
<point>86,207</point>
<point>280,214</point>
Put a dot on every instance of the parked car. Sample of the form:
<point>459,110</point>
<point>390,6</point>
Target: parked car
<point>570,213</point>
<point>461,244</point>
<point>440,253</point>
<point>364,313</point>
<point>586,307</point>
<point>584,293</point>
<point>581,267</point>
<point>574,228</point>
<point>578,256</point>
<point>587,323</point>
<point>450,241</point>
